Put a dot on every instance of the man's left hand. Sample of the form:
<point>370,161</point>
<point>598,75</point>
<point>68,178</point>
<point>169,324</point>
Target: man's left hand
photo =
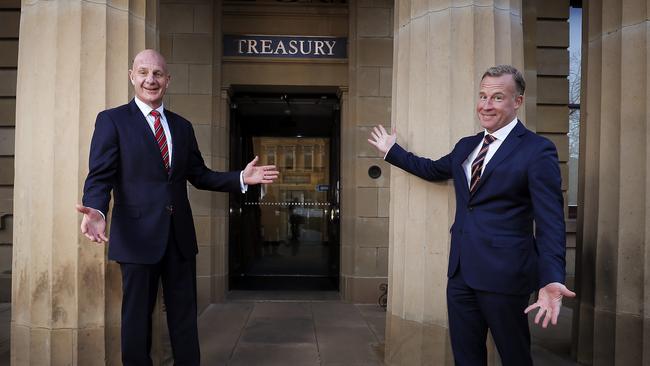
<point>259,174</point>
<point>549,302</point>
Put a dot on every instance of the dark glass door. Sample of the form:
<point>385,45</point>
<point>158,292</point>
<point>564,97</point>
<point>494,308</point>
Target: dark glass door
<point>285,235</point>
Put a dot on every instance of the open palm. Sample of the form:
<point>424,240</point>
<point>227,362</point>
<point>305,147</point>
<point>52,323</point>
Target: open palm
<point>93,225</point>
<point>254,174</point>
<point>549,302</point>
<point>381,139</point>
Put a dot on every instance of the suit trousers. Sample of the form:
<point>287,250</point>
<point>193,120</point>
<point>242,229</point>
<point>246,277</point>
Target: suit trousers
<point>139,294</point>
<point>473,312</point>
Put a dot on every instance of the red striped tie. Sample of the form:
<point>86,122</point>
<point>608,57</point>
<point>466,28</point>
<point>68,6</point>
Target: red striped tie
<point>477,164</point>
<point>159,133</point>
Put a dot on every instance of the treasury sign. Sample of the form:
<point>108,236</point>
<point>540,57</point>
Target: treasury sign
<point>284,46</point>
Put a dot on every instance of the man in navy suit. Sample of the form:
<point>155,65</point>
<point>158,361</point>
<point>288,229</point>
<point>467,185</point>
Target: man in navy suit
<point>508,236</point>
<point>146,154</point>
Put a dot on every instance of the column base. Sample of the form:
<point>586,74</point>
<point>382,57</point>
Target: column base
<point>416,344</point>
<point>361,290</point>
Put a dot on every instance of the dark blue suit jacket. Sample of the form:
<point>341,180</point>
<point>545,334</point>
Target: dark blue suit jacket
<point>509,236</point>
<point>125,159</point>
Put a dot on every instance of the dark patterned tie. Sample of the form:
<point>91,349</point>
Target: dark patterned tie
<point>159,133</point>
<point>477,164</point>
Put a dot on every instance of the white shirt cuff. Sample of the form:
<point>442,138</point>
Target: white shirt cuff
<point>101,213</point>
<point>387,151</point>
<point>244,187</point>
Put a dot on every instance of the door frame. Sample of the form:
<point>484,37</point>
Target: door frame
<point>236,162</point>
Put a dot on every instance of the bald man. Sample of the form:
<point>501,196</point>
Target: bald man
<point>145,155</point>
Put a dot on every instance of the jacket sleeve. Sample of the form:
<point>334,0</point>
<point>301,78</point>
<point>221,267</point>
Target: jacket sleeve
<point>203,178</point>
<point>431,170</point>
<point>102,164</point>
<point>544,183</point>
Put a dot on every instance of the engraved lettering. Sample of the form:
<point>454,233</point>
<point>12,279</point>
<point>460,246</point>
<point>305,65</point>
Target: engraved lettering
<point>241,46</point>
<point>293,47</point>
<point>279,49</point>
<point>266,47</point>
<point>330,45</point>
<point>252,46</point>
<point>318,48</point>
<point>302,49</point>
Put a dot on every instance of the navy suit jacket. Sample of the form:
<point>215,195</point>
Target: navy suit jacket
<point>125,159</point>
<point>509,235</point>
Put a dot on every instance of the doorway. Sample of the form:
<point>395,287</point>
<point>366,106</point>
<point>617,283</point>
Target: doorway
<point>285,236</point>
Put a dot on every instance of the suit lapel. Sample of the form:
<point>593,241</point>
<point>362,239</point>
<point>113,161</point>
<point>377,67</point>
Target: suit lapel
<point>463,154</point>
<point>176,151</point>
<point>149,139</point>
<point>509,144</point>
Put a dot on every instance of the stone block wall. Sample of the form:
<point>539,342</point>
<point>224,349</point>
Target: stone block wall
<point>364,243</point>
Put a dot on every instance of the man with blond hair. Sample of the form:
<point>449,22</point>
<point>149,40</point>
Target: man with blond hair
<point>508,236</point>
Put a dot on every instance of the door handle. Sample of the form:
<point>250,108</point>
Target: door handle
<point>334,213</point>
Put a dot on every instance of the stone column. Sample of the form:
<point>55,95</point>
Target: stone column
<point>613,228</point>
<point>72,63</point>
<point>364,200</point>
<point>441,50</point>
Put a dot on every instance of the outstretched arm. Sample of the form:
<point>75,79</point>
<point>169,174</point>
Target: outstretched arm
<point>432,170</point>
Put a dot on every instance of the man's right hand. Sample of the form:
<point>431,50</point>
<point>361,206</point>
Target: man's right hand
<point>93,225</point>
<point>382,140</point>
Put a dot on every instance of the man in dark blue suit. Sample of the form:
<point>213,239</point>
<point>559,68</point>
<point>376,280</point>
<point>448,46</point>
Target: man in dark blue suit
<point>508,236</point>
<point>145,155</point>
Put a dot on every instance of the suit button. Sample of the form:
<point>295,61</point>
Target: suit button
<point>470,208</point>
<point>170,209</point>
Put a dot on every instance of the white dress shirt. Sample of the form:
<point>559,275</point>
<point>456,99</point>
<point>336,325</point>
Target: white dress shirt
<point>500,135</point>
<point>146,110</point>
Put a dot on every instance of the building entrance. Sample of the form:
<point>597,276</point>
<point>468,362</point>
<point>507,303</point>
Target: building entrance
<point>285,236</point>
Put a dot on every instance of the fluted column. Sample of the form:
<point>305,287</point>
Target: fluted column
<point>441,50</point>
<point>72,63</point>
<point>613,246</point>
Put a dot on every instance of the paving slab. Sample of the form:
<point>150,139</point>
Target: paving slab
<point>311,332</point>
<point>305,354</point>
<point>323,333</point>
<point>375,316</point>
<point>338,314</point>
<point>220,327</point>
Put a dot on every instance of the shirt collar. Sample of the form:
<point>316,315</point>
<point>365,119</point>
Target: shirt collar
<point>146,109</point>
<point>504,131</point>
